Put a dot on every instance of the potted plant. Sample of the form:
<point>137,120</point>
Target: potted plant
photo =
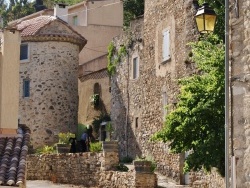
<point>94,100</point>
<point>144,165</point>
<point>63,145</point>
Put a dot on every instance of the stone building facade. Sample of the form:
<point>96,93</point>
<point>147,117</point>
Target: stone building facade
<point>48,99</point>
<point>146,80</point>
<point>98,21</point>
<point>93,82</point>
<point>239,90</point>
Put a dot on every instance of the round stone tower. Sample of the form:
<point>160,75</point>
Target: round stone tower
<point>48,78</point>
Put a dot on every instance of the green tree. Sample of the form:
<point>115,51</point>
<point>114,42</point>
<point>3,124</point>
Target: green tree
<point>15,10</point>
<point>197,123</point>
<point>132,9</point>
<point>50,3</point>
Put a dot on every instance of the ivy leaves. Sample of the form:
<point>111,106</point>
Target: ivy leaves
<point>114,57</point>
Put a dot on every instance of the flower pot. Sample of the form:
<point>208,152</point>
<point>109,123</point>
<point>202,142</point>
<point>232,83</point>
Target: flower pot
<point>143,166</point>
<point>63,148</point>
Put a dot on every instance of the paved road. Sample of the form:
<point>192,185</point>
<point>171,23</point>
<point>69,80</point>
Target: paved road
<point>163,182</point>
<point>49,184</point>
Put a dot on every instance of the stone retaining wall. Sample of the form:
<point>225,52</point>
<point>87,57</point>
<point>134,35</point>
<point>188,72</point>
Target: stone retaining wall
<point>79,168</point>
<point>85,169</point>
<point>203,180</point>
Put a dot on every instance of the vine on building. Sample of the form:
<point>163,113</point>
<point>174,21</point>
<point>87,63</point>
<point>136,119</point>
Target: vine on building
<point>114,57</point>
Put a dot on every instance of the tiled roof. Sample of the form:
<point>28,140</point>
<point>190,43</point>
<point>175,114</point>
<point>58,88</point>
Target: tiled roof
<point>30,31</point>
<point>13,153</point>
<point>32,26</point>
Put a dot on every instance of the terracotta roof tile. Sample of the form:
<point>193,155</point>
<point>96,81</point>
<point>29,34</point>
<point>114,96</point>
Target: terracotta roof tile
<point>30,27</point>
<point>13,153</point>
<point>30,31</point>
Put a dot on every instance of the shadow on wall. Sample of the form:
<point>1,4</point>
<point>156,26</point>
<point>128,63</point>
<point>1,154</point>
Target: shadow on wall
<point>123,129</point>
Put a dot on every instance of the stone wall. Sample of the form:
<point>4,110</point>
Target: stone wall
<point>52,106</point>
<point>137,109</point>
<point>239,86</point>
<point>93,170</point>
<point>85,169</point>
<point>206,180</point>
<point>78,169</point>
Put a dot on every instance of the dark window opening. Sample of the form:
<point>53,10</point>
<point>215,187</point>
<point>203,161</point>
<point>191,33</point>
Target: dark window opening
<point>24,51</point>
<point>26,88</point>
<point>136,122</point>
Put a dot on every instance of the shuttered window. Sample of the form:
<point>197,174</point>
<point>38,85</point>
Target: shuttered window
<point>166,45</point>
<point>75,20</point>
<point>135,67</point>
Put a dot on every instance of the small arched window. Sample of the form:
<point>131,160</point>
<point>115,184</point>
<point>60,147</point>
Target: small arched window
<point>97,88</point>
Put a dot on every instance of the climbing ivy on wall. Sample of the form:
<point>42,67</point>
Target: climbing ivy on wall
<point>114,57</point>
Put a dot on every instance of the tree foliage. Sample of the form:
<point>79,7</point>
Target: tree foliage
<point>132,9</point>
<point>50,3</point>
<point>19,8</point>
<point>197,123</point>
<point>15,9</point>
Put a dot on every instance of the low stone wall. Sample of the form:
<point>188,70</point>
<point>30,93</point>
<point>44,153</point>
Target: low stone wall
<point>86,169</point>
<point>97,170</point>
<point>110,179</point>
<point>78,168</point>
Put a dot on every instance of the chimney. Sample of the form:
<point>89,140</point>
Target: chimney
<point>61,11</point>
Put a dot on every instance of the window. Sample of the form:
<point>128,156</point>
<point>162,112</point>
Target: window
<point>24,52</point>
<point>135,67</point>
<point>166,45</point>
<point>75,20</point>
<point>26,88</point>
<point>136,122</point>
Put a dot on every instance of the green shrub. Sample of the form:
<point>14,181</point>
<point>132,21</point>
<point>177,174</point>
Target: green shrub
<point>122,168</point>
<point>95,146</point>
<point>64,137</point>
<point>46,150</point>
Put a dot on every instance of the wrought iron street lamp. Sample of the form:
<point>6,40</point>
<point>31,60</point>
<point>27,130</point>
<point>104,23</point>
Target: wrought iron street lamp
<point>205,19</point>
